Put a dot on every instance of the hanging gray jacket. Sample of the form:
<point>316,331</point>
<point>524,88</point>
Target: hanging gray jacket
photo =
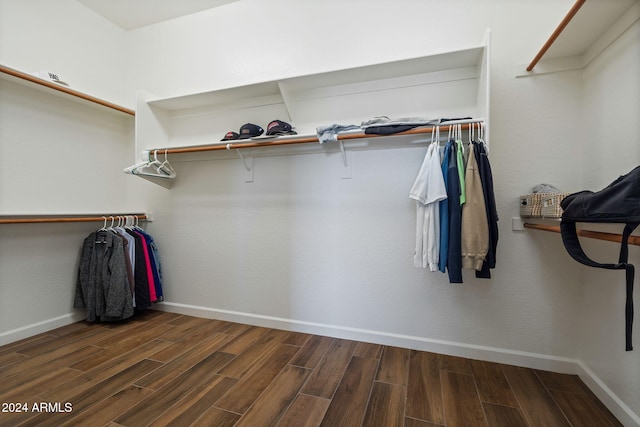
<point>103,286</point>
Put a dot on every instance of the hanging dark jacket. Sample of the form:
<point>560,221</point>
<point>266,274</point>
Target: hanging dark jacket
<point>103,287</point>
<point>444,212</point>
<point>486,178</point>
<point>454,258</point>
<point>143,298</point>
<point>154,258</point>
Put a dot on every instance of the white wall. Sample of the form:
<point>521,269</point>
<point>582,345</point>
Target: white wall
<point>613,145</point>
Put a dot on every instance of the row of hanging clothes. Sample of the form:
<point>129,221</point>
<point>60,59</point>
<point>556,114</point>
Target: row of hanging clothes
<point>456,220</point>
<point>119,271</point>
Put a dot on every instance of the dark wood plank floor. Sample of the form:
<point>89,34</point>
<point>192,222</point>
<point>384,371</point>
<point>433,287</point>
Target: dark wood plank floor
<point>168,369</point>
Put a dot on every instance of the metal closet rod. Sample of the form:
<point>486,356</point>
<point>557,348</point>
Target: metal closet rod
<point>609,237</point>
<point>50,219</point>
<point>565,21</point>
<point>305,139</point>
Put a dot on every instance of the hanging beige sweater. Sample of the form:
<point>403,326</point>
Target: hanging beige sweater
<point>475,229</point>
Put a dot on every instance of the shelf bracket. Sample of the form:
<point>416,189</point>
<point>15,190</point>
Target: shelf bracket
<point>344,154</point>
<point>287,100</point>
<point>247,162</point>
<point>346,169</point>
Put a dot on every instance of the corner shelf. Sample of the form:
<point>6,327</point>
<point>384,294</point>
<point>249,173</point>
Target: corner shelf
<point>609,237</point>
<point>14,75</point>
<point>587,29</point>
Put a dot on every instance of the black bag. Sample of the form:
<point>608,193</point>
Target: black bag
<point>619,202</point>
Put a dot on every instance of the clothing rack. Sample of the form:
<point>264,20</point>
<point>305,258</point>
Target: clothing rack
<point>64,89</point>
<point>565,21</point>
<point>305,139</point>
<point>609,237</point>
<point>26,219</point>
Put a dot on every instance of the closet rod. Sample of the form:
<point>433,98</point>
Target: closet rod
<point>49,219</point>
<point>565,21</point>
<point>300,140</point>
<point>609,237</point>
<point>64,89</point>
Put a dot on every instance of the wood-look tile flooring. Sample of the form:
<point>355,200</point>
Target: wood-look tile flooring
<point>169,369</point>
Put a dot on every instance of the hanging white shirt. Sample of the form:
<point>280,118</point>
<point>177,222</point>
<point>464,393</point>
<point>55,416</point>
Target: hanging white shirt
<point>427,190</point>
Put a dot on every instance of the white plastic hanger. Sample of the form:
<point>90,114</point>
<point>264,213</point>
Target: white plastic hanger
<point>166,166</point>
<point>481,136</point>
<point>154,168</point>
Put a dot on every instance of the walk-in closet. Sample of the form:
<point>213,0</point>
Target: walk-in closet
<point>305,213</point>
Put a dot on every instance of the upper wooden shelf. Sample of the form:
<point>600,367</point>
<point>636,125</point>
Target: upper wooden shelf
<point>266,142</point>
<point>22,77</point>
<point>447,84</point>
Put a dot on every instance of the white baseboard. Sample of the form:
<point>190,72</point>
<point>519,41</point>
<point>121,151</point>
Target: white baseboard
<point>470,351</point>
<point>622,412</point>
<point>39,327</point>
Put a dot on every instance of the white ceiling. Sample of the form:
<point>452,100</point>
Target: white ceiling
<point>130,14</point>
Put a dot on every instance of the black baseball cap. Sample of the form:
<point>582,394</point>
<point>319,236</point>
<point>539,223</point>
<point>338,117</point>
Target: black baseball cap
<point>230,136</point>
<point>278,127</point>
<point>249,130</point>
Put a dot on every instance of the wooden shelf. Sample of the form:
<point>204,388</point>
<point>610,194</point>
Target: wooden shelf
<point>23,77</point>
<point>563,24</point>
<point>609,237</point>
<point>298,139</point>
<point>409,87</point>
<point>587,29</point>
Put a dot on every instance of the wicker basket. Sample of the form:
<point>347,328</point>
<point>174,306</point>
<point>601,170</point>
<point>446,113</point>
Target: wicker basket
<point>541,205</point>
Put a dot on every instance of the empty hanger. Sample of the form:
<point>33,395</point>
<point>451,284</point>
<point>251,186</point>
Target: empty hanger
<point>166,166</point>
<point>154,168</point>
